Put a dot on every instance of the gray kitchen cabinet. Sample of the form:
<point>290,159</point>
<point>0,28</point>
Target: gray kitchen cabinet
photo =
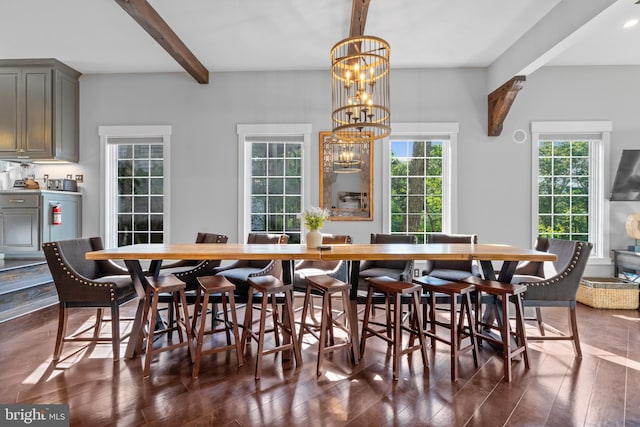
<point>39,112</point>
<point>26,220</point>
<point>19,222</point>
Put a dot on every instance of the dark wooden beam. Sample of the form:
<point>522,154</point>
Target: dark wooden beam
<point>500,101</point>
<point>147,17</point>
<point>359,9</point>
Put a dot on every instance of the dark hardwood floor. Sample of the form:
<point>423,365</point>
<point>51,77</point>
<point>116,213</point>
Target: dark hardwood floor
<point>601,389</point>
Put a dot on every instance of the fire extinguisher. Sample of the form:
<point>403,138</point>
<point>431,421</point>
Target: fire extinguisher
<point>57,214</point>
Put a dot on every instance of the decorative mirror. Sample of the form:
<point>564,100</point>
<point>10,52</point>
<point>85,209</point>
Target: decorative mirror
<point>346,183</point>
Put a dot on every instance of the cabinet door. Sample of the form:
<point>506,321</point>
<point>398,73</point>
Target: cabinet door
<point>36,142</point>
<point>66,126</point>
<point>10,134</point>
<point>71,226</point>
<point>19,230</point>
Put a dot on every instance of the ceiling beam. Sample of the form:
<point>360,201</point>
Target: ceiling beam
<point>499,103</point>
<point>359,10</point>
<point>147,17</point>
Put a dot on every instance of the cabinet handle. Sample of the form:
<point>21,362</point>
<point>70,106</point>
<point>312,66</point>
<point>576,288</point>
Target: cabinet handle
<point>16,200</point>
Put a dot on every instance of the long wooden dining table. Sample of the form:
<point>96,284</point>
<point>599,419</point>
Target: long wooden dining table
<point>485,254</point>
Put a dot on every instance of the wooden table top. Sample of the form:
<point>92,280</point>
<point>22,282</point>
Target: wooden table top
<point>233,251</point>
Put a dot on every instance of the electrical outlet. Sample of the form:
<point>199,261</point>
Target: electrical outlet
<point>79,178</point>
<point>46,177</point>
<point>416,272</point>
<point>69,176</point>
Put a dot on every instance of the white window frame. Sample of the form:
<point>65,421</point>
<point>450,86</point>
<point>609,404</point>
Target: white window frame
<point>251,131</point>
<point>421,131</point>
<point>599,171</point>
<point>109,135</point>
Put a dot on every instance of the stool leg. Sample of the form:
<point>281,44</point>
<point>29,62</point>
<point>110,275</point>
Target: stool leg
<point>506,339</point>
<point>248,320</point>
<point>466,299</point>
<point>397,334</point>
<point>520,331</point>
<point>261,333</point>
<point>185,321</point>
<point>432,317</point>
<point>303,318</point>
<point>225,317</point>
<point>197,312</point>
<point>274,314</point>
<point>292,327</point>
<point>351,335</point>
<point>145,317</point>
<point>200,337</point>
<point>365,322</point>
<point>453,326</point>
<point>419,330</point>
<point>234,326</point>
<point>325,316</point>
<point>152,322</point>
<point>176,304</point>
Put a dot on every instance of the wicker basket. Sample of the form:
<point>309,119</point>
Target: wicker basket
<point>608,292</point>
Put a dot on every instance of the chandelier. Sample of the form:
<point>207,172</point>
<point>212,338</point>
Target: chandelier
<point>360,89</point>
<point>347,156</point>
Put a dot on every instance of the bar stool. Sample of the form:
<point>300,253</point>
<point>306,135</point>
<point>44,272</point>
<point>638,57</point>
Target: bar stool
<point>210,285</point>
<point>270,287</point>
<point>327,286</point>
<point>155,286</point>
<point>433,285</point>
<point>394,289</point>
<point>503,292</point>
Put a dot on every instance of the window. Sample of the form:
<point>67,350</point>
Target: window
<point>273,164</point>
<point>135,161</point>
<point>569,200</point>
<point>419,165</point>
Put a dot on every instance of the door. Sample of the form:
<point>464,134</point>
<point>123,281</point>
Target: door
<point>19,230</point>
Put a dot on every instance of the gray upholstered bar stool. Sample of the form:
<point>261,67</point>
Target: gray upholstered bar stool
<point>327,287</point>
<point>271,288</point>
<point>155,286</point>
<point>207,286</point>
<point>457,332</point>
<point>393,290</point>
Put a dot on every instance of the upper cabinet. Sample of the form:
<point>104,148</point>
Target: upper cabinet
<point>38,110</point>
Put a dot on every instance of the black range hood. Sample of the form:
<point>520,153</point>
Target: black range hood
<point>626,186</point>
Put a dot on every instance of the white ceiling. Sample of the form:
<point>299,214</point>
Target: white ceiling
<point>98,36</point>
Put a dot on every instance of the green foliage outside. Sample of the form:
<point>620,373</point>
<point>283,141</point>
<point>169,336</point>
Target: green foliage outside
<point>416,188</point>
<point>563,189</point>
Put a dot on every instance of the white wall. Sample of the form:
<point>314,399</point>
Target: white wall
<point>494,197</point>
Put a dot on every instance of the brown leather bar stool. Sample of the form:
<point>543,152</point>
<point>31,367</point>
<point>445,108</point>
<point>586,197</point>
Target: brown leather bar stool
<point>155,286</point>
<point>504,293</point>
<point>433,285</point>
<point>270,287</point>
<point>207,286</point>
<point>327,286</point>
<point>394,290</point>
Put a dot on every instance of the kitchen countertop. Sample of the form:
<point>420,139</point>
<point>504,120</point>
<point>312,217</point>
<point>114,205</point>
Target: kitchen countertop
<point>35,191</point>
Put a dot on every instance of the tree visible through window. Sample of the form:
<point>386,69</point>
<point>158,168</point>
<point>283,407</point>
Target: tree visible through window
<point>140,211</point>
<point>416,176</point>
<point>563,189</point>
<point>276,188</point>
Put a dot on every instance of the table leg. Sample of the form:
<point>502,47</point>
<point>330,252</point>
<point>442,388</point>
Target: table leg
<point>137,276</point>
<point>353,269</point>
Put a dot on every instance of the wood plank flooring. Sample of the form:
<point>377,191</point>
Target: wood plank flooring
<point>601,389</point>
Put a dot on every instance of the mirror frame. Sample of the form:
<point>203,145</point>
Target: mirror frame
<point>328,177</point>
